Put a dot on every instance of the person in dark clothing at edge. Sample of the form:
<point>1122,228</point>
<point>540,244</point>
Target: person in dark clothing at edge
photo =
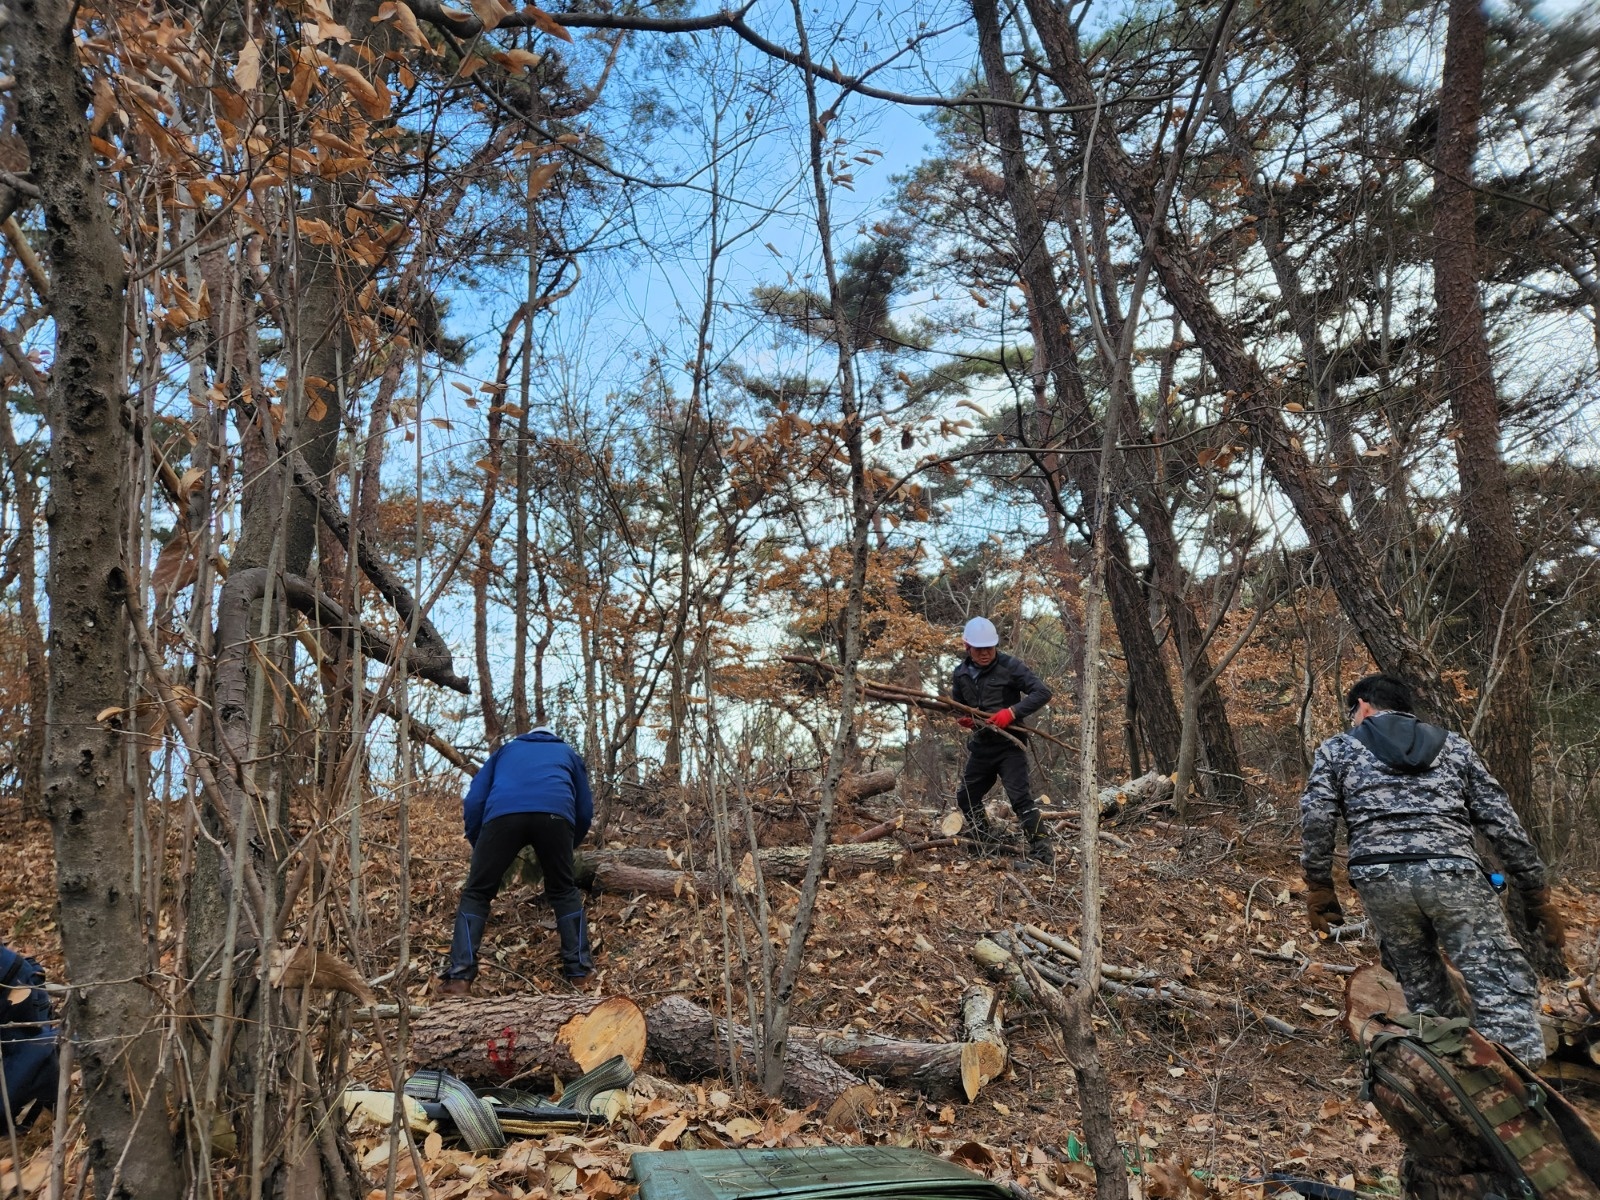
<point>1008,690</point>
<point>1411,796</point>
<point>533,791</point>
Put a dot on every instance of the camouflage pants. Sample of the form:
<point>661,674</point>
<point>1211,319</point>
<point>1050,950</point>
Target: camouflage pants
<point>1446,907</point>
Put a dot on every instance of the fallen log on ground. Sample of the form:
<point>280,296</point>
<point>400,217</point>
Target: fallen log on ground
<point>692,1042</point>
<point>789,862</point>
<point>939,1070</point>
<point>981,1020</point>
<point>534,1038</point>
<point>1150,788</point>
<point>623,877</point>
<point>873,783</point>
<point>661,873</point>
<point>881,830</point>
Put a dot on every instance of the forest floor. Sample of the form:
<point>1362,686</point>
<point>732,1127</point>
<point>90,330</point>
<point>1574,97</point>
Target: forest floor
<point>1217,1093</point>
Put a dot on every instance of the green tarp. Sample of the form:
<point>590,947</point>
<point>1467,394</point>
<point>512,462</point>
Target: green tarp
<point>808,1173</point>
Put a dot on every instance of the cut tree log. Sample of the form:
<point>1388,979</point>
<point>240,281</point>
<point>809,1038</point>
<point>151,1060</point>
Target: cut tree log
<point>789,862</point>
<point>534,1038</point>
<point>980,1032</point>
<point>692,1042</point>
<point>1150,788</point>
<point>622,877</point>
<point>873,783</point>
<point>932,1068</point>
<point>661,873</point>
<point>881,830</point>
<point>939,1070</point>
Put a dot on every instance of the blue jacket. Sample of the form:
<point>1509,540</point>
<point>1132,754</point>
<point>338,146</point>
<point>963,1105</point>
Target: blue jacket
<point>535,773</point>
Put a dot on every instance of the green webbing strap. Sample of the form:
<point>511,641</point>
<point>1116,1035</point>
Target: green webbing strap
<point>1552,1174</point>
<point>1425,1112</point>
<point>474,1116</point>
<point>610,1075</point>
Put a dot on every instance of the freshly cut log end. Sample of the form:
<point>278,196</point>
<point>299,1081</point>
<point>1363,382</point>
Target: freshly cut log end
<point>981,1062</point>
<point>845,1113</point>
<point>1370,992</point>
<point>536,1038</point>
<point>983,1053</point>
<point>612,1027</point>
<point>1150,788</point>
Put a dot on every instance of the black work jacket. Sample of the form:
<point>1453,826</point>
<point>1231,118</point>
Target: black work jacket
<point>1007,682</point>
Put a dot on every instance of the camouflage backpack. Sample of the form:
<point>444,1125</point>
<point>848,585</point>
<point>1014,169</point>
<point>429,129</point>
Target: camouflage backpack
<point>1476,1123</point>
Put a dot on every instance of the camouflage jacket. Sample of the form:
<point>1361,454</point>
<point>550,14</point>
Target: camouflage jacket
<point>1433,812</point>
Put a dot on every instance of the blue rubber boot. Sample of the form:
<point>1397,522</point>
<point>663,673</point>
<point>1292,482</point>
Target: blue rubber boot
<point>576,960</point>
<point>462,965</point>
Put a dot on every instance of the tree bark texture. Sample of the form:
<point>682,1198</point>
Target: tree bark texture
<point>1256,399</point>
<point>534,1037</point>
<point>932,1068</point>
<point>853,788</point>
<point>1467,377</point>
<point>113,1012</point>
<point>1129,609</point>
<point>692,1042</point>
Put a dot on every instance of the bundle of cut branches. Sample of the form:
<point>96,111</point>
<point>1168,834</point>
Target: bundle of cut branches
<point>891,693</point>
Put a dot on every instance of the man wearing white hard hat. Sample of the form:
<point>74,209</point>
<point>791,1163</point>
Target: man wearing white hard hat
<point>1005,688</point>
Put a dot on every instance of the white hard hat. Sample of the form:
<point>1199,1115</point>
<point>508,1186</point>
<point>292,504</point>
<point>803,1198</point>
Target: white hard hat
<point>980,632</point>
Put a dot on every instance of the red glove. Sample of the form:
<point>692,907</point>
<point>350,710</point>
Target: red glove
<point>1002,718</point>
<point>964,722</point>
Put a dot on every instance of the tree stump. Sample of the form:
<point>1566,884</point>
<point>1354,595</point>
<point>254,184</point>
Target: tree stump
<point>692,1042</point>
<point>532,1038</point>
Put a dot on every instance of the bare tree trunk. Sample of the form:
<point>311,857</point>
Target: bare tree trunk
<point>780,992</point>
<point>1350,571</point>
<point>25,487</point>
<point>1129,608</point>
<point>114,1014</point>
<point>1467,376</point>
<point>520,599</point>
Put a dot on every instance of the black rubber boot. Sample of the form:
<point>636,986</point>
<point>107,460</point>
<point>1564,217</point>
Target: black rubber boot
<point>977,834</point>
<point>577,961</point>
<point>1039,847</point>
<point>462,965</point>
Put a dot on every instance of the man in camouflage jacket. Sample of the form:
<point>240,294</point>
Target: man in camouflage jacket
<point>1411,796</point>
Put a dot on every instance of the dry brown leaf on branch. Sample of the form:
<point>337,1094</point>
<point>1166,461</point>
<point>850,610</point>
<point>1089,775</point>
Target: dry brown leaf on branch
<point>540,178</point>
<point>248,73</point>
<point>490,12</point>
<point>545,23</point>
<point>517,59</point>
<point>404,20</point>
<point>302,965</point>
<point>177,566</point>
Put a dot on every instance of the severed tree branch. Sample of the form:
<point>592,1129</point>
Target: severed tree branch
<point>462,25</point>
<point>431,658</point>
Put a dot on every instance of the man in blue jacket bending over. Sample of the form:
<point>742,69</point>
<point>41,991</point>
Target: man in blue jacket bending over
<point>533,791</point>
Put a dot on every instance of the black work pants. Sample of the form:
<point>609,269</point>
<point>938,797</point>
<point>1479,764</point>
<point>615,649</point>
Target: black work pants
<point>990,758</point>
<point>499,843</point>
